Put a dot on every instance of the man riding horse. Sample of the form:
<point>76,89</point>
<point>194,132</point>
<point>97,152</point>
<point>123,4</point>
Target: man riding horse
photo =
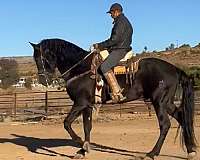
<point>117,45</point>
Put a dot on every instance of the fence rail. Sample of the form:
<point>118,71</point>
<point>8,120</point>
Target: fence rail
<point>56,102</point>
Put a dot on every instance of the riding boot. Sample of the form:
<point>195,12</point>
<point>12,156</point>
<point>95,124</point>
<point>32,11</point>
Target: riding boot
<point>115,88</point>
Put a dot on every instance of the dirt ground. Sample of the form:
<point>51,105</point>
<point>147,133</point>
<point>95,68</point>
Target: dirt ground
<point>113,138</point>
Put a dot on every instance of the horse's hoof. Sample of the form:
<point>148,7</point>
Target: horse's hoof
<point>139,158</point>
<point>78,156</point>
<point>86,146</point>
<point>148,158</point>
<point>192,155</point>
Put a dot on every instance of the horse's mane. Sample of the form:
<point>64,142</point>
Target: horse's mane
<point>61,46</point>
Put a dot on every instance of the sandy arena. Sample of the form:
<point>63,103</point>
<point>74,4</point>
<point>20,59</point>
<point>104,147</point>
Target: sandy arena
<point>113,138</point>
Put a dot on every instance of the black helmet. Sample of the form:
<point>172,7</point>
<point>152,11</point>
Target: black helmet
<point>115,6</point>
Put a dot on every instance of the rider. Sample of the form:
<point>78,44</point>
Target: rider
<point>117,45</point>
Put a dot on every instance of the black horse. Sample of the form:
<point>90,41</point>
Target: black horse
<point>155,79</point>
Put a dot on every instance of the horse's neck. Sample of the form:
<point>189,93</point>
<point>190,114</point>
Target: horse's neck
<point>67,63</point>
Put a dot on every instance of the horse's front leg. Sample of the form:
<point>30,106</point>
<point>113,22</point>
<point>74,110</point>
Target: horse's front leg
<point>87,122</point>
<point>73,114</point>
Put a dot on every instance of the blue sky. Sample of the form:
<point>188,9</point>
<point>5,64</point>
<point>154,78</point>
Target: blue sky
<point>156,23</point>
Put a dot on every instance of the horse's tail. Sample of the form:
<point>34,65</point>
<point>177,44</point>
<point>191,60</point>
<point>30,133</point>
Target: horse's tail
<point>187,107</point>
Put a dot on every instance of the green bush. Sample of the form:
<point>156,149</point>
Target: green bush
<point>195,73</point>
<point>8,72</point>
<point>28,82</point>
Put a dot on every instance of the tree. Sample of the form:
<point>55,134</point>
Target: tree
<point>8,72</point>
<point>145,49</point>
<point>185,46</point>
<point>172,46</point>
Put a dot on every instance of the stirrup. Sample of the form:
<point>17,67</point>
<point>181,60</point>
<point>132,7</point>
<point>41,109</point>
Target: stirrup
<point>118,97</point>
<point>121,97</point>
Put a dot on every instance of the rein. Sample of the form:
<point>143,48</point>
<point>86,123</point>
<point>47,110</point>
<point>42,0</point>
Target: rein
<point>79,62</point>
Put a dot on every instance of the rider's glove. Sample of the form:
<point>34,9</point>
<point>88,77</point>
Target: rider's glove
<point>94,48</point>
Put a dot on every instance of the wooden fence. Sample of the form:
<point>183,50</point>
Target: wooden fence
<point>33,102</point>
<point>58,102</point>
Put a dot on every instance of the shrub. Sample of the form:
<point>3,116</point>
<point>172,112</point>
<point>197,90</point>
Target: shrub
<point>8,72</point>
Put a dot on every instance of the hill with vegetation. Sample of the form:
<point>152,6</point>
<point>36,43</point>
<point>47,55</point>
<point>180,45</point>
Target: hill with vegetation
<point>26,65</point>
<point>183,57</point>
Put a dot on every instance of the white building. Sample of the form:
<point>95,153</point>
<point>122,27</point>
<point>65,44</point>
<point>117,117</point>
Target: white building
<point>20,83</point>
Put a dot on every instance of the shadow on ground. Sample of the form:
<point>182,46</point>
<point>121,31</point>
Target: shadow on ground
<point>33,144</point>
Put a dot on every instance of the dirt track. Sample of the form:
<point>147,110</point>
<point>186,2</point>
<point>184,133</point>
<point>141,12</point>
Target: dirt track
<point>125,138</point>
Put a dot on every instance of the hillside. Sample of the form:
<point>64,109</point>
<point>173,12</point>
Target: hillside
<point>26,64</point>
<point>184,56</point>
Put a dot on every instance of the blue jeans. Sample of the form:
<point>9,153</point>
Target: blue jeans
<point>113,59</point>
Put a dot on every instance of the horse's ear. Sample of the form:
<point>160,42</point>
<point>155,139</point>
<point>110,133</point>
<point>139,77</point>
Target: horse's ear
<point>32,44</point>
<point>35,46</point>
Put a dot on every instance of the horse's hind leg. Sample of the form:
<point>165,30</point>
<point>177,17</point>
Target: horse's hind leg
<point>73,114</point>
<point>164,124</point>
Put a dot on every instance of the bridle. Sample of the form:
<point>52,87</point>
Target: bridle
<point>44,72</point>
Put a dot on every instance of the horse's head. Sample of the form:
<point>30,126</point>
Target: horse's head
<point>46,63</point>
<point>57,53</point>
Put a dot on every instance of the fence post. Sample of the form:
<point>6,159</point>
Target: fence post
<point>120,110</point>
<point>46,102</point>
<point>15,105</point>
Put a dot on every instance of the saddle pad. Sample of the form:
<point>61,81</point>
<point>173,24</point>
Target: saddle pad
<point>119,70</point>
<point>122,69</point>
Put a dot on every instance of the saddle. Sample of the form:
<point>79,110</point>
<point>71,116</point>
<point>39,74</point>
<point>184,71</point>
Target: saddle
<point>127,66</point>
<point>121,67</point>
